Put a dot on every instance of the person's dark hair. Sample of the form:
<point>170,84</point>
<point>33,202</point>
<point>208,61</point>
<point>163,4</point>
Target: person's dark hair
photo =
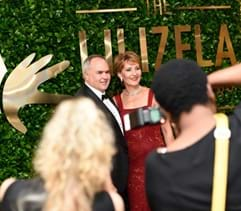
<point>178,85</point>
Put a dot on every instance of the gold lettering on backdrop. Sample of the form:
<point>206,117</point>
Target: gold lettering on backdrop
<point>121,40</point>
<point>108,48</point>
<point>198,44</point>
<point>213,7</point>
<point>21,87</point>
<point>143,47</point>
<point>83,46</point>
<point>221,54</point>
<point>163,30</point>
<point>165,4</point>
<point>148,7</point>
<point>162,5</point>
<point>121,47</point>
<point>158,4</point>
<point>180,47</point>
<point>106,10</point>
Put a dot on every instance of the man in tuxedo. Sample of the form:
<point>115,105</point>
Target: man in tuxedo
<point>96,74</point>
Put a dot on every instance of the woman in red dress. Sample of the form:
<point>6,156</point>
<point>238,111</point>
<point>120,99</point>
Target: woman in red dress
<point>140,140</point>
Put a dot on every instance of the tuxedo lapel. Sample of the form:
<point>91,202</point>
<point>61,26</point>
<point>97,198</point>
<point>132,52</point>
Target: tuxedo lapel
<point>86,91</point>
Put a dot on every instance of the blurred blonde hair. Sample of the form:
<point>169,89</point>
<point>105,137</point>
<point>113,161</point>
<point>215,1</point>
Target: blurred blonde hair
<point>74,156</point>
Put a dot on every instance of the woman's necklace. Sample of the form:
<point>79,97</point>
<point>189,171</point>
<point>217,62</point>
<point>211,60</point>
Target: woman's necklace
<point>133,93</point>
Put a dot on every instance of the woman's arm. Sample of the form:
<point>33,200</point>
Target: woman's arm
<point>109,186</point>
<point>166,127</point>
<point>167,132</point>
<point>226,77</point>
<point>115,197</point>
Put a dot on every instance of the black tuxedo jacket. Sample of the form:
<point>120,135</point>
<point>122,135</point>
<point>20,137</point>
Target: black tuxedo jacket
<point>120,161</point>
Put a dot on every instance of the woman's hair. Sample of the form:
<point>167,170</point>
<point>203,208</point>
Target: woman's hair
<point>75,155</point>
<point>126,56</point>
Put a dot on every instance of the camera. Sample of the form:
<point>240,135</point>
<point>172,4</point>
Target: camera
<point>143,116</point>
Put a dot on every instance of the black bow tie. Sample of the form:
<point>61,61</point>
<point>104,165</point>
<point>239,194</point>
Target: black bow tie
<point>105,96</point>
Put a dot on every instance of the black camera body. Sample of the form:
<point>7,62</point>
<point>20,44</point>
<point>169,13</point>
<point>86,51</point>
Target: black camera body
<point>141,117</point>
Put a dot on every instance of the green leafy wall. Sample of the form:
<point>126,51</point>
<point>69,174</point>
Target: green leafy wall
<point>52,26</point>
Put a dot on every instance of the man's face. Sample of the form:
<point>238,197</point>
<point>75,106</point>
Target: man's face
<point>98,75</point>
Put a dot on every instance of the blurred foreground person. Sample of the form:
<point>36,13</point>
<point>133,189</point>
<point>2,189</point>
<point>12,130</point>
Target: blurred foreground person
<point>73,161</point>
<point>180,176</point>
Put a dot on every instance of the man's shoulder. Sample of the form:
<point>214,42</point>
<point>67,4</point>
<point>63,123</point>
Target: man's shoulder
<point>81,91</point>
<point>85,91</point>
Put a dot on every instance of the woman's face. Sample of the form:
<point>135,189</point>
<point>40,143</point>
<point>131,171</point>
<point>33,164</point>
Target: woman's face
<point>130,74</point>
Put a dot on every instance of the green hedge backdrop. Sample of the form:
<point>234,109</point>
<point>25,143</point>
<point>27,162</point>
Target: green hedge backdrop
<point>52,26</point>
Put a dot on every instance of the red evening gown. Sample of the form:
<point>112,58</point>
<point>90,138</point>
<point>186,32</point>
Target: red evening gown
<point>140,142</point>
